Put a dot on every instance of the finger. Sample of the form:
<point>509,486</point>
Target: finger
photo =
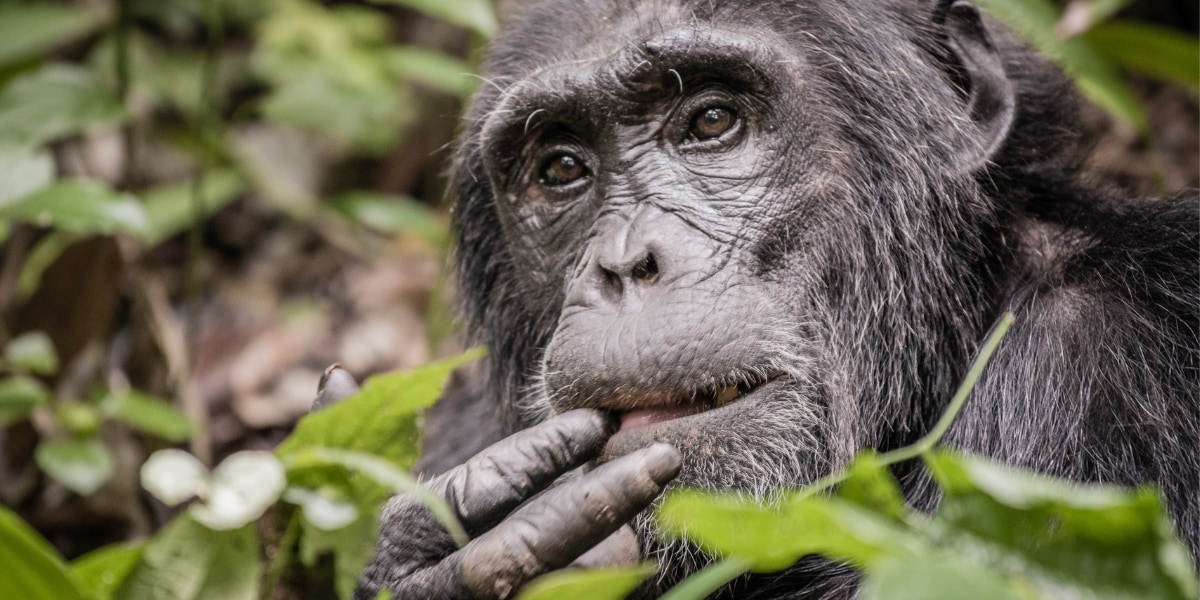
<point>438,581</point>
<point>336,384</point>
<point>494,482</point>
<point>619,549</point>
<point>552,530</point>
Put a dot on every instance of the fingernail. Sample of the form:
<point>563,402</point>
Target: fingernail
<point>329,371</point>
<point>336,383</point>
<point>662,462</point>
<point>606,423</point>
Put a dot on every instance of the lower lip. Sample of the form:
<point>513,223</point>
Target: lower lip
<point>644,417</point>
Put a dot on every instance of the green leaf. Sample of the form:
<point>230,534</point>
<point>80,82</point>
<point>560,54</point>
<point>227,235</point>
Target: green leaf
<point>773,538</point>
<point>1160,52</point>
<point>870,484</point>
<point>594,584</point>
<point>380,419</point>
<point>52,102</point>
<point>708,580</point>
<point>351,547</point>
<point>945,578</point>
<point>79,419</point>
<point>32,28</point>
<point>390,213</point>
<point>23,171</point>
<point>730,526</point>
<point>188,561</point>
<point>370,118</point>
<point>147,414</point>
<point>18,396</point>
<point>476,15</point>
<point>380,470</point>
<point>103,571</point>
<point>436,70</point>
<point>32,352</point>
<point>170,209</point>
<point>79,206</point>
<point>1082,15</point>
<point>81,465</point>
<point>1088,538</point>
<point>32,569</point>
<point>1095,77</point>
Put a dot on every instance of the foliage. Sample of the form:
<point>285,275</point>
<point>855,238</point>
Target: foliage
<point>1008,533</point>
<point>70,450</point>
<point>191,105</point>
<point>1091,50</point>
<point>324,486</point>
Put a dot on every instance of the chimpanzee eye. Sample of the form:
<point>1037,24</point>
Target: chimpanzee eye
<point>562,169</point>
<point>711,122</point>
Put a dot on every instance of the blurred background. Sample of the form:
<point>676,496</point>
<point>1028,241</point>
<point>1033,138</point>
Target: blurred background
<point>204,203</point>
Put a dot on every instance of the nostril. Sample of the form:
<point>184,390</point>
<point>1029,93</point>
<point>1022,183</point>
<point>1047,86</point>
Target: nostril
<point>613,287</point>
<point>646,269</point>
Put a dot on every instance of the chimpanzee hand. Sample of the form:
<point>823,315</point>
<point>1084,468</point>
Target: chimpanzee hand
<point>514,540</point>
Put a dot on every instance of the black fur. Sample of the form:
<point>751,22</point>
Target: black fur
<point>885,247</point>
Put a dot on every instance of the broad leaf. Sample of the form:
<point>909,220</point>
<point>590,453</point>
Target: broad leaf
<point>28,29</point>
<point>433,69</point>
<point>171,209</point>
<point>1095,77</point>
<point>393,214</point>
<point>380,419</point>
<point>472,14</point>
<point>1115,542</point>
<point>18,396</point>
<point>384,473</point>
<point>52,102</point>
<point>595,584</point>
<point>1167,54</point>
<point>81,465</point>
<point>871,485</point>
<point>147,414</point>
<point>943,578</point>
<point>23,171</point>
<point>351,546</point>
<point>188,561</point>
<point>32,352</point>
<point>708,580</point>
<point>103,571</point>
<point>79,206</point>
<point>32,569</point>
<point>773,538</point>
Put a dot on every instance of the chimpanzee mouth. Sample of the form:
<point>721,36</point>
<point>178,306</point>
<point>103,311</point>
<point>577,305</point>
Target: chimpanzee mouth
<point>696,401</point>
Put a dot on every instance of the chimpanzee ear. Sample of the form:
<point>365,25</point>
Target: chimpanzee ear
<point>990,98</point>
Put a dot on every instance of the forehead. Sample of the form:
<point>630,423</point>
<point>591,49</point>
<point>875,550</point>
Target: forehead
<point>622,59</point>
<point>563,32</point>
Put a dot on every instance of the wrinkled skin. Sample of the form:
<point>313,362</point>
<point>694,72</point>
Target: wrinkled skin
<point>771,233</point>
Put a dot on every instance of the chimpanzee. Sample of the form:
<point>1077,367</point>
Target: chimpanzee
<point>728,243</point>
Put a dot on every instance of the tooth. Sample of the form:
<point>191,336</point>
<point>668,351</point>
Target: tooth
<point>727,394</point>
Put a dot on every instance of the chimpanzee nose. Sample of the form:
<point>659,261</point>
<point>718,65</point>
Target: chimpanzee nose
<point>616,275</point>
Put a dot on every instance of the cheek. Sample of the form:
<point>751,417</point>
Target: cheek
<point>545,241</point>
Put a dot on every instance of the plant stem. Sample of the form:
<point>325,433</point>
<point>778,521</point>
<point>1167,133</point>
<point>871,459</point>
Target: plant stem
<point>124,79</point>
<point>931,439</point>
<point>959,400</point>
